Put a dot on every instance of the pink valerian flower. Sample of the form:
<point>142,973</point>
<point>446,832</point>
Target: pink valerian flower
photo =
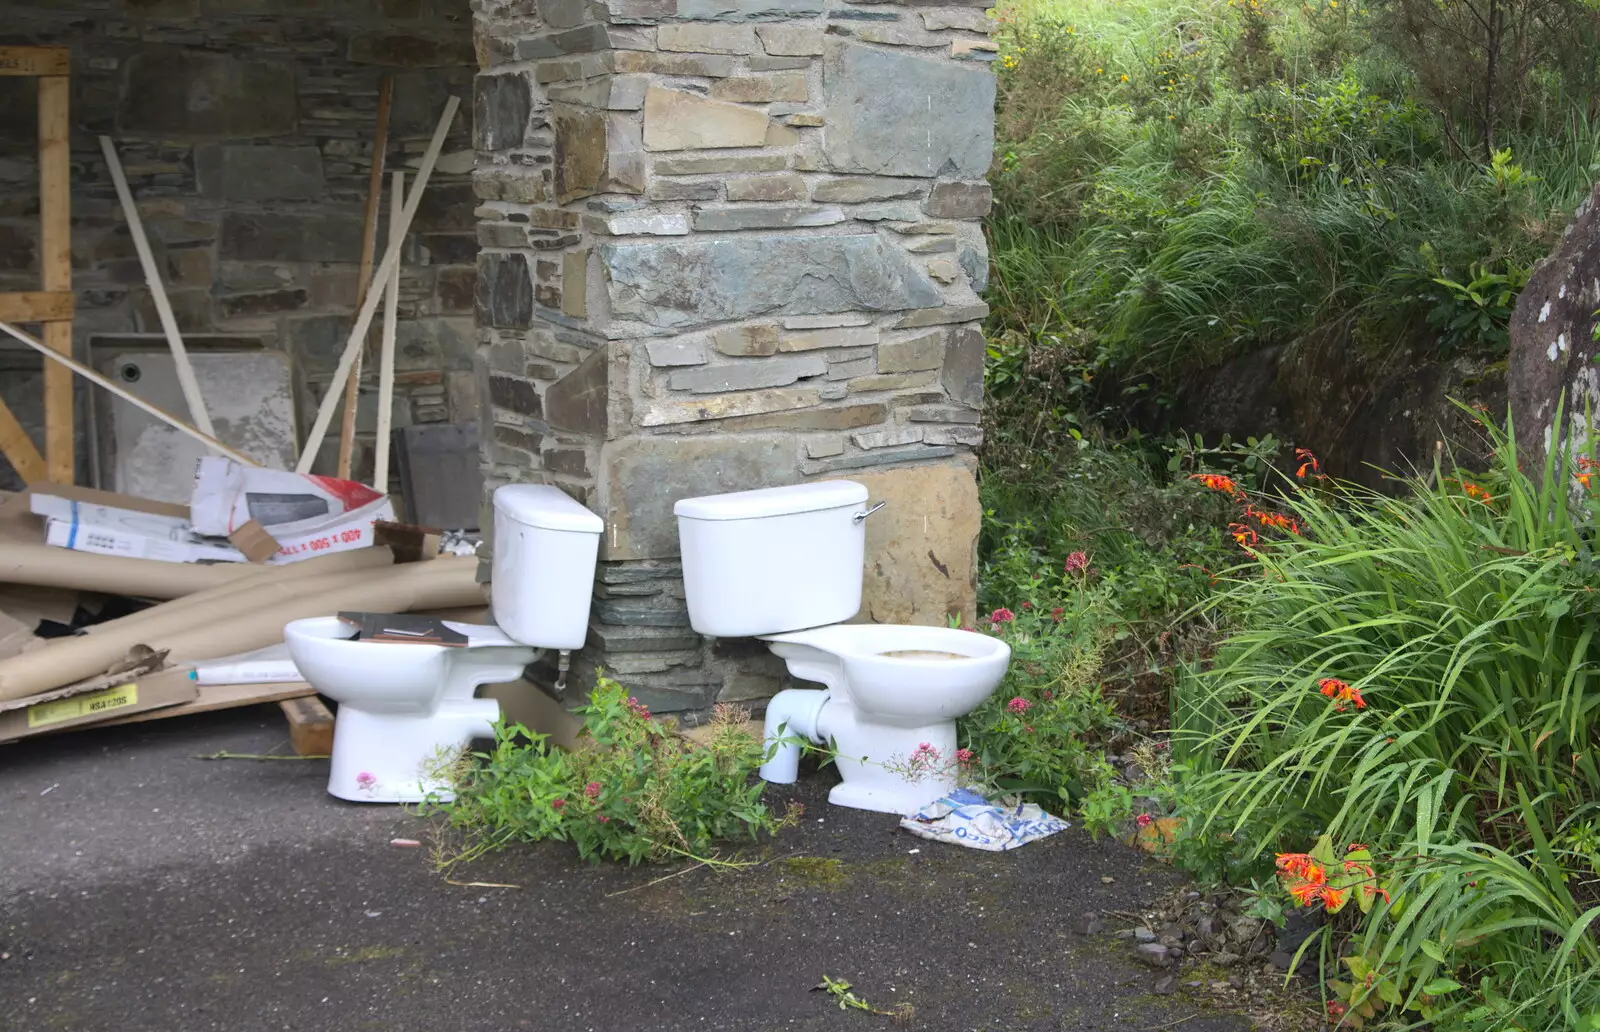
<point>557,804</point>
<point>966,757</point>
<point>638,709</point>
<point>1002,615</point>
<point>1057,613</point>
<point>592,789</point>
<point>1025,605</point>
<point>1144,820</point>
<point>366,782</point>
<point>924,758</point>
<point>1077,562</point>
<point>1019,705</point>
<point>1028,728</point>
<point>603,819</point>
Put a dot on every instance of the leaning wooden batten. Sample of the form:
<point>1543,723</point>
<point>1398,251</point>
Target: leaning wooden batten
<point>53,305</point>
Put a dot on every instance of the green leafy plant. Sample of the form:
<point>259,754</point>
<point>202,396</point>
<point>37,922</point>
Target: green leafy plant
<point>1415,674</point>
<point>635,789</point>
<point>1476,315</point>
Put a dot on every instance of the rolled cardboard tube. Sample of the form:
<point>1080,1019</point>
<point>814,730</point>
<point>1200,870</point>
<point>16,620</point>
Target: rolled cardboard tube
<point>355,560</point>
<point>51,567</point>
<point>251,620</point>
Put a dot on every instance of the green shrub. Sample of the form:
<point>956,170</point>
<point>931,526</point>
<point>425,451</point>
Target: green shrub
<point>1413,675</point>
<point>634,790</point>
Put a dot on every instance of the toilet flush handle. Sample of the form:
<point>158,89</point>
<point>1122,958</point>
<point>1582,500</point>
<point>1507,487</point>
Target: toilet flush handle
<point>858,517</point>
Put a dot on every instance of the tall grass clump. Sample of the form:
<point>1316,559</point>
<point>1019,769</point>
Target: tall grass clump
<point>1179,183</point>
<point>1416,677</point>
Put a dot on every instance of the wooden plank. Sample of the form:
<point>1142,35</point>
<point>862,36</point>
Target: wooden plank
<point>223,696</point>
<point>35,61</point>
<point>310,725</point>
<point>59,358</point>
<point>369,307</point>
<point>391,302</point>
<point>19,449</point>
<point>37,306</point>
<point>369,242</point>
<point>55,265</point>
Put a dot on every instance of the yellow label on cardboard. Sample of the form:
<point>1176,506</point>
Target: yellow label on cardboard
<point>62,710</point>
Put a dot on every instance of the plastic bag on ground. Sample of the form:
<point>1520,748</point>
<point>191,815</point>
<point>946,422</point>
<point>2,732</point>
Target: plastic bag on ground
<point>967,819</point>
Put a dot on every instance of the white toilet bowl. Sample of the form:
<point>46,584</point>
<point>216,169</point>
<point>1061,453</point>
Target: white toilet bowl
<point>889,708</point>
<point>407,711</point>
<point>784,564</point>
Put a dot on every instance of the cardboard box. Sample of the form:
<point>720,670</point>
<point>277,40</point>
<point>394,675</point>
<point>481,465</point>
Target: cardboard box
<point>147,692</point>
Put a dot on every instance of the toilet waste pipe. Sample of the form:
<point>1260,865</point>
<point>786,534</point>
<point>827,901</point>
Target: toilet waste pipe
<point>792,713</point>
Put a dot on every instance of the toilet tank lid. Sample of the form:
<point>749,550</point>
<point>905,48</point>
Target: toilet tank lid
<point>545,507</point>
<point>773,501</point>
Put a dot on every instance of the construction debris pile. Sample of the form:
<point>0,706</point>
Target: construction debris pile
<point>115,608</point>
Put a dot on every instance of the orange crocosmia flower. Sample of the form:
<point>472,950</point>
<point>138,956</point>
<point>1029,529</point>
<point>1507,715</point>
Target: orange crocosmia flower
<point>1308,464</point>
<point>1474,491</point>
<point>1217,482</point>
<point>1243,534</point>
<point>1305,893</point>
<point>1332,898</point>
<point>1373,891</point>
<point>1294,864</point>
<point>1354,846</point>
<point>1331,686</point>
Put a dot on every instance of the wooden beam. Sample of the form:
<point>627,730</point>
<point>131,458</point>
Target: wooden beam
<point>73,365</point>
<point>35,61</point>
<point>369,242</point>
<point>55,264</point>
<point>158,293</point>
<point>391,302</point>
<point>19,449</point>
<point>37,306</point>
<point>369,307</point>
<point>310,725</point>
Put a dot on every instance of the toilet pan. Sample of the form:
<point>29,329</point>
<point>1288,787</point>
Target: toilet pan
<point>406,712</point>
<point>892,693</point>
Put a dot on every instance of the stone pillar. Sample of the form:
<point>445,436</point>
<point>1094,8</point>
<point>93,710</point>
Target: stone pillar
<point>730,244</point>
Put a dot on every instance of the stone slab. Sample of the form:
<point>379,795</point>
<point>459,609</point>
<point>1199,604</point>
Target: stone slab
<point>790,40</point>
<point>735,219</point>
<point>897,114</point>
<point>922,546</point>
<point>962,374</point>
<point>716,163</point>
<point>501,106</point>
<point>767,188</point>
<point>744,376</point>
<point>911,355</point>
<point>235,172</point>
<point>643,477</point>
<point>699,38</point>
<point>700,410</point>
<point>504,291</point>
<point>675,120</point>
<point>680,284</point>
<point>289,237</point>
<point>747,10</point>
<point>864,189</point>
<point>761,89</point>
<point>189,93</point>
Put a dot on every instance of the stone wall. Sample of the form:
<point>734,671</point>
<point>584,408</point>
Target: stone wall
<point>245,127</point>
<point>730,244</point>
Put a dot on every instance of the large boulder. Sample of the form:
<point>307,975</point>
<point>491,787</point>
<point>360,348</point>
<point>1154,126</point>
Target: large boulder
<point>1553,350</point>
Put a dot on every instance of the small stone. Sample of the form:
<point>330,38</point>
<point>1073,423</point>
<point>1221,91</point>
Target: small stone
<point>708,66</point>
<point>944,270</point>
<point>971,436</point>
<point>778,64</point>
<point>1165,986</point>
<point>674,120</point>
<point>1225,959</point>
<point>707,39</point>
<point>974,49</point>
<point>787,187</point>
<point>725,219</point>
<point>666,413</point>
<point>845,337</point>
<point>673,223</point>
<point>888,438</point>
<point>854,368</point>
<point>860,189</point>
<point>826,322</point>
<point>804,121</point>
<point>720,163</point>
<point>790,39</point>
<point>676,352</point>
<point>776,372</point>
<point>939,316</point>
<point>916,353</point>
<point>959,200</point>
<point>967,20</point>
<point>670,190</point>
<point>1142,934</point>
<point>933,245</point>
<point>892,381</point>
<point>761,89</point>
<point>747,340</point>
<point>824,447</point>
<point>833,391</point>
<point>1153,954</point>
